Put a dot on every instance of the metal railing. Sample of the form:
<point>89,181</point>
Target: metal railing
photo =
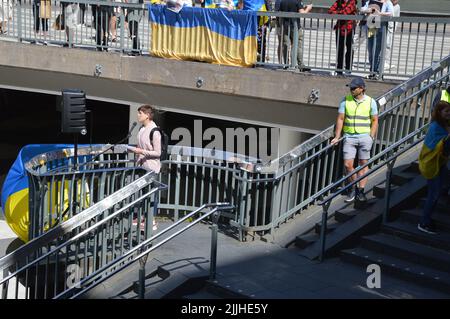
<point>406,45</point>
<point>78,247</point>
<point>412,43</point>
<point>140,253</point>
<point>93,24</point>
<point>386,158</point>
<point>59,191</point>
<point>266,195</point>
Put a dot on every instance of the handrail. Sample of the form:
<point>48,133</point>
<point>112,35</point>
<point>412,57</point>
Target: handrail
<point>326,148</point>
<point>98,275</point>
<point>350,17</point>
<point>359,168</point>
<point>78,220</point>
<point>389,161</point>
<point>388,96</point>
<point>83,233</point>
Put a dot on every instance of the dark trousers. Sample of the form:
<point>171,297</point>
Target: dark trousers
<point>262,38</point>
<point>102,27</point>
<point>344,45</point>
<point>374,44</point>
<point>82,10</point>
<point>436,187</point>
<point>38,20</point>
<point>134,29</point>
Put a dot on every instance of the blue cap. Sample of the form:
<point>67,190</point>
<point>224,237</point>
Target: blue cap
<point>357,83</point>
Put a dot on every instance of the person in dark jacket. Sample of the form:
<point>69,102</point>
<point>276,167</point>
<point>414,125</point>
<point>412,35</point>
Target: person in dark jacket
<point>344,33</point>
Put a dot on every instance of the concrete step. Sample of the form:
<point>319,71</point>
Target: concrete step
<point>380,190</point>
<point>414,167</point>
<point>331,225</point>
<point>304,241</point>
<point>441,219</point>
<point>402,178</point>
<point>345,214</point>
<point>407,250</point>
<point>399,268</point>
<point>407,230</point>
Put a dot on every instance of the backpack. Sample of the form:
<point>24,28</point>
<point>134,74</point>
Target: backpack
<point>164,143</point>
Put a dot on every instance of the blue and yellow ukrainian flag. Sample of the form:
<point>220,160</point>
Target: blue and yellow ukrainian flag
<point>256,5</point>
<point>213,35</point>
<point>431,157</point>
<point>210,4</point>
<point>14,196</point>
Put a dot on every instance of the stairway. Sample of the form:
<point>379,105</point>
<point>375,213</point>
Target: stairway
<point>406,253</point>
<point>347,223</point>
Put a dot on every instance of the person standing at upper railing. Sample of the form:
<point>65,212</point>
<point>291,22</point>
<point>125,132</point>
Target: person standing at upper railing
<point>344,33</point>
<point>358,118</point>
<point>133,18</point>
<point>390,37</point>
<point>102,15</point>
<point>376,32</point>
<point>285,31</point>
<point>360,32</point>
<point>71,20</point>
<point>5,14</point>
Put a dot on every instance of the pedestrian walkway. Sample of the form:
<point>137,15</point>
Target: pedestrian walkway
<point>255,270</point>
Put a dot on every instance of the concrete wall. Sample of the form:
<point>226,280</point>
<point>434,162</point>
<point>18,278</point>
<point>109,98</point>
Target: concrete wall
<point>259,96</point>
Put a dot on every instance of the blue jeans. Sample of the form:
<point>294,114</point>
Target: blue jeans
<point>374,44</point>
<point>436,187</point>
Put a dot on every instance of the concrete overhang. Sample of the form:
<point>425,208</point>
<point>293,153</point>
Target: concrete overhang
<point>258,96</point>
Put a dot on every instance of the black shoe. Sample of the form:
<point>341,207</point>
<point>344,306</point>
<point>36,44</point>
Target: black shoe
<point>429,229</point>
<point>304,69</point>
<point>360,196</point>
<point>351,195</point>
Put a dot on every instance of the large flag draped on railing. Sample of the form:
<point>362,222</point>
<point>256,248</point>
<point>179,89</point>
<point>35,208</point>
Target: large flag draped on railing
<point>209,35</point>
<point>14,197</point>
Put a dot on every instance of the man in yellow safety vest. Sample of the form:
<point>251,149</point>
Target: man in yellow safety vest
<point>358,119</point>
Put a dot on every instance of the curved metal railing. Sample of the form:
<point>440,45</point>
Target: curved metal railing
<point>386,158</point>
<point>141,252</point>
<point>266,195</point>
<point>82,244</point>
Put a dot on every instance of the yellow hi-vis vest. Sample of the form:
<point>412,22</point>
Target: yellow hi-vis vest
<point>357,116</point>
<point>445,96</point>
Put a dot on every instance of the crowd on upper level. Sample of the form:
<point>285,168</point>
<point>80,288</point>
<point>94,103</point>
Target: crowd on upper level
<point>350,35</point>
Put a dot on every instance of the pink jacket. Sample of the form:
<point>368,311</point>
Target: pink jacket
<point>152,152</point>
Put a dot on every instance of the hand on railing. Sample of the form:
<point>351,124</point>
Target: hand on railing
<point>335,140</point>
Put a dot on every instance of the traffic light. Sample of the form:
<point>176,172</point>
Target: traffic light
<point>73,112</point>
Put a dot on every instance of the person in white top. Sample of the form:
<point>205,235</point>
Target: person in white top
<point>5,14</point>
<point>375,35</point>
<point>71,17</point>
<point>388,62</point>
